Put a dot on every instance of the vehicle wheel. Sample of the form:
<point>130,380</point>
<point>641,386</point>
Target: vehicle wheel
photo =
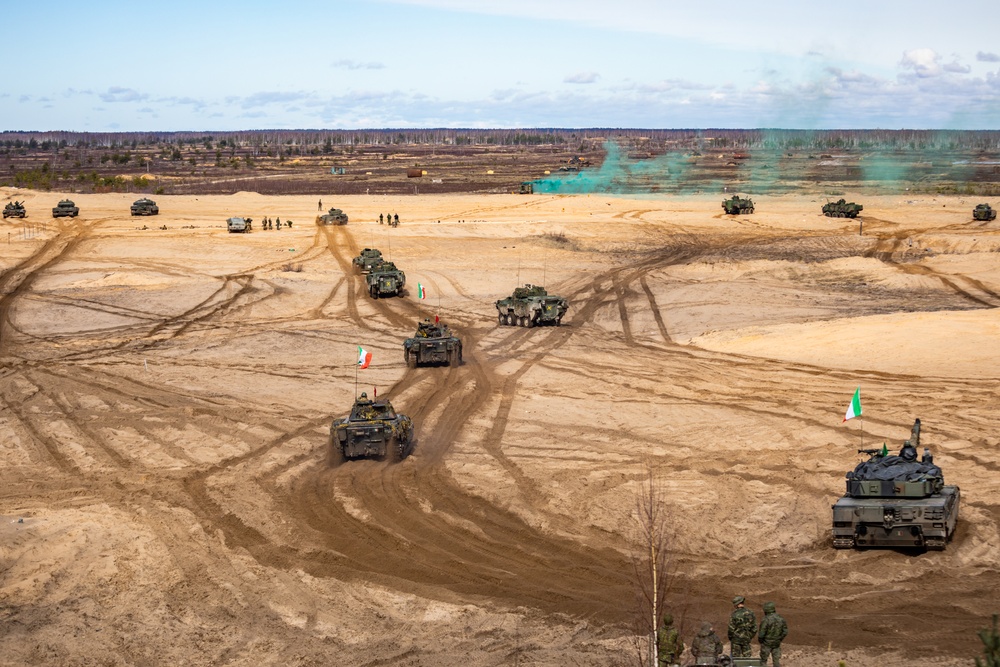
<point>372,292</point>
<point>532,322</point>
<point>500,318</point>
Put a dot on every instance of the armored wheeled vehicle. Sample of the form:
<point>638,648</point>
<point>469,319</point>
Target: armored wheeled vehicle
<point>384,279</point>
<point>15,209</point>
<point>842,209</point>
<point>737,205</point>
<point>145,206</point>
<point>896,501</point>
<point>238,225</point>
<point>368,258</point>
<point>333,217</point>
<point>64,208</point>
<point>531,306</point>
<point>432,344</point>
<point>373,429</point>
<point>984,212</point>
<point>527,188</point>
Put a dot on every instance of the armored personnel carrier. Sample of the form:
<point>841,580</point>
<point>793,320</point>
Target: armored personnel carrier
<point>737,205</point>
<point>842,209</point>
<point>14,209</point>
<point>64,208</point>
<point>145,206</point>
<point>332,217</point>
<point>896,501</point>
<point>368,258</point>
<point>530,306</point>
<point>432,344</point>
<point>527,188</point>
<point>384,279</point>
<point>984,212</point>
<point>373,429</point>
<point>239,225</point>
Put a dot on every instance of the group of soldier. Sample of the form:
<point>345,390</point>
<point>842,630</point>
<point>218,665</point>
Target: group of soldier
<point>267,223</point>
<point>706,649</point>
<point>390,219</point>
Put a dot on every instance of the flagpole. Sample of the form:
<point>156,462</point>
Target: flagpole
<point>356,365</point>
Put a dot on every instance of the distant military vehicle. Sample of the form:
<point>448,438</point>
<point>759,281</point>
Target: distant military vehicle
<point>368,258</point>
<point>15,209</point>
<point>372,429</point>
<point>981,212</point>
<point>239,225</point>
<point>145,206</point>
<point>384,279</point>
<point>842,209</point>
<point>432,344</point>
<point>530,306</point>
<point>333,217</point>
<point>65,208</point>
<point>896,501</point>
<point>527,188</point>
<point>737,205</point>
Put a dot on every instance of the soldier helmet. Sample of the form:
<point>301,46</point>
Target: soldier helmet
<point>706,628</point>
<point>769,608</point>
<point>364,396</point>
<point>908,452</point>
<point>739,599</point>
<point>668,619</point>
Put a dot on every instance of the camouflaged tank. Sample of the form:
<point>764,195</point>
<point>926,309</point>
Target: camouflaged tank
<point>373,429</point>
<point>334,216</point>
<point>145,206</point>
<point>14,209</point>
<point>433,343</point>
<point>984,212</point>
<point>737,205</point>
<point>896,501</point>
<point>65,208</point>
<point>384,279</point>
<point>842,209</point>
<point>531,306</point>
<point>368,258</point>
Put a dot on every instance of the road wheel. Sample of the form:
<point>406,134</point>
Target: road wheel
<point>500,318</point>
<point>532,321</point>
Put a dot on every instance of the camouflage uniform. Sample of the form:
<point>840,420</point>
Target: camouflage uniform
<point>742,628</point>
<point>706,647</point>
<point>773,629</point>
<point>668,643</point>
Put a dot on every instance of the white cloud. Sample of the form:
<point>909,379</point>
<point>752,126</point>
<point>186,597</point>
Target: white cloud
<point>924,62</point>
<point>119,94</point>
<point>582,77</point>
<point>986,57</point>
<point>956,68</point>
<point>355,65</point>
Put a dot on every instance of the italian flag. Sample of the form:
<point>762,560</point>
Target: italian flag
<point>854,409</point>
<point>421,292</point>
<point>364,357</point>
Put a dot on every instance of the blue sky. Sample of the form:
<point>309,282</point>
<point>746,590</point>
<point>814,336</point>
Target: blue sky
<point>185,65</point>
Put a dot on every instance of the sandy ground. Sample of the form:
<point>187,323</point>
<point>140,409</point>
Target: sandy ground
<point>166,395</point>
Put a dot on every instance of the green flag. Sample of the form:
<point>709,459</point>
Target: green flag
<point>854,409</point>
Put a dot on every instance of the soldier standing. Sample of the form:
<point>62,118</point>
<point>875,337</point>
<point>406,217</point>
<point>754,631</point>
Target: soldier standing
<point>277,223</point>
<point>319,206</point>
<point>706,647</point>
<point>395,220</point>
<point>380,218</point>
<point>742,628</point>
<point>668,643</point>
<point>773,630</point>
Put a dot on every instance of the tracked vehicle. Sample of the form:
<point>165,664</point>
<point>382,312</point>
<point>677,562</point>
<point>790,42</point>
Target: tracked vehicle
<point>65,208</point>
<point>842,209</point>
<point>737,205</point>
<point>984,212</point>
<point>373,429</point>
<point>531,306</point>
<point>14,209</point>
<point>896,501</point>
<point>432,344</point>
<point>145,206</point>
<point>384,279</point>
<point>368,258</point>
<point>334,216</point>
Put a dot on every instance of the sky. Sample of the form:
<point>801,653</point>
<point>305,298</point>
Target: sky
<point>215,65</point>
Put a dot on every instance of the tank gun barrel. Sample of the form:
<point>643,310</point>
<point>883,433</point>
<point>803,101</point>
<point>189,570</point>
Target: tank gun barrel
<point>915,433</point>
<point>870,452</point>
